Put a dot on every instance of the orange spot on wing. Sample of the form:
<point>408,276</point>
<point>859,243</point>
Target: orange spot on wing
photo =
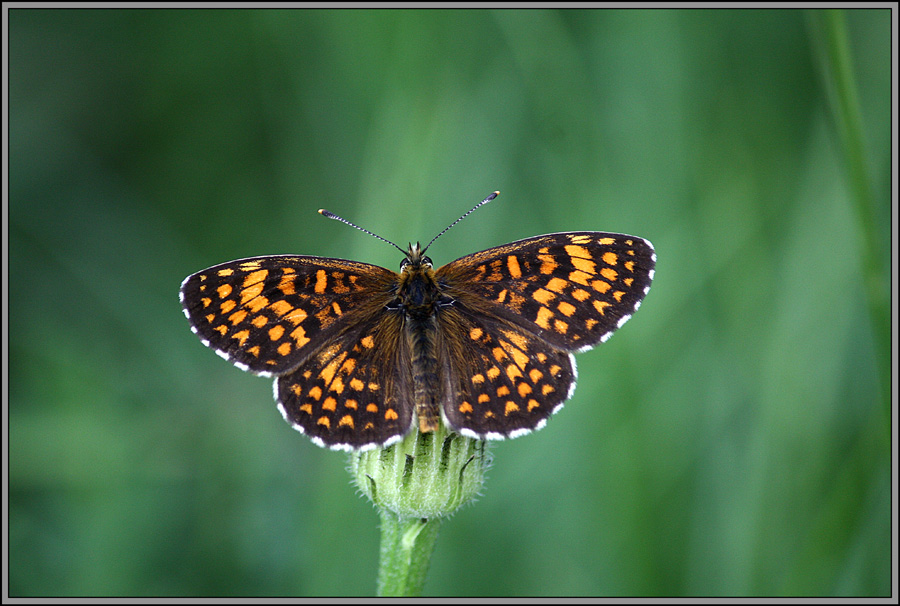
<point>584,265</point>
<point>556,284</point>
<point>543,296</point>
<point>577,251</point>
<point>543,317</point>
<point>512,264</point>
<point>321,282</point>
<point>257,304</point>
<point>600,286</point>
<point>281,307</point>
<point>287,284</point>
<point>256,276</point>
<point>299,336</point>
<point>565,308</point>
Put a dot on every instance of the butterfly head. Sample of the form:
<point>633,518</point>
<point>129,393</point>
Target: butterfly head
<point>415,258</point>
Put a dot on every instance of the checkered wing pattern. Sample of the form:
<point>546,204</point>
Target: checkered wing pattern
<point>269,314</point>
<point>485,341</point>
<point>319,326</point>
<point>519,310</point>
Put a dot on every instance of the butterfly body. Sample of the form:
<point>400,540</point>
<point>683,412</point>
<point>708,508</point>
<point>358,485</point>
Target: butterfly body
<point>482,344</point>
<point>418,300</point>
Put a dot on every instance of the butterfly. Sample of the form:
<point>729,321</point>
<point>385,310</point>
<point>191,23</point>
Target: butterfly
<point>483,344</point>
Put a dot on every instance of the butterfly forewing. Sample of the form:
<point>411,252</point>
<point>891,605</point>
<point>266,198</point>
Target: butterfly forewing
<point>266,314</point>
<point>571,290</point>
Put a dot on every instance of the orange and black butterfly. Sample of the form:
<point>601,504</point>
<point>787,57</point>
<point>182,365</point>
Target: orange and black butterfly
<point>482,344</point>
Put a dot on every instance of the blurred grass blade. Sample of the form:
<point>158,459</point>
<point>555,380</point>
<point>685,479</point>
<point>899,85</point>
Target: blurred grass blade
<point>830,32</point>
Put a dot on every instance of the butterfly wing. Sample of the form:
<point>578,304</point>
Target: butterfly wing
<point>519,310</point>
<point>321,327</point>
<point>268,314</point>
<point>356,390</point>
<point>500,381</point>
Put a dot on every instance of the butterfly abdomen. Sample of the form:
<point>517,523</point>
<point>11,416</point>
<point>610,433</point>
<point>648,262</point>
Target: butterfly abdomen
<point>418,294</point>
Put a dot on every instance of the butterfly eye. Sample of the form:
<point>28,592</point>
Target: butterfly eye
<point>403,264</point>
<point>426,261</point>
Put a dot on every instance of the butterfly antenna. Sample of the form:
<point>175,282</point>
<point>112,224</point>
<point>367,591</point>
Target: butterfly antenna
<point>477,206</point>
<point>331,215</point>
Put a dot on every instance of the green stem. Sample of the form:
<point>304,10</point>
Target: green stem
<point>838,74</point>
<point>406,547</point>
<point>414,484</point>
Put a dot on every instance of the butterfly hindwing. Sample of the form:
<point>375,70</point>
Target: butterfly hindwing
<point>355,391</point>
<point>501,381</point>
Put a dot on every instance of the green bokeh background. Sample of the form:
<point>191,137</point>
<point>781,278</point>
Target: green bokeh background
<point>733,439</point>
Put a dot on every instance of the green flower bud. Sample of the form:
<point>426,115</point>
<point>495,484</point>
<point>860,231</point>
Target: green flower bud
<point>425,475</point>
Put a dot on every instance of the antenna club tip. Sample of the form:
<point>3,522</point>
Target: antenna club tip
<point>497,193</point>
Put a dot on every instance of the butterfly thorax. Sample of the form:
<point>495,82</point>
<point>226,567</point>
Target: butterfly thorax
<point>417,291</point>
<point>418,297</point>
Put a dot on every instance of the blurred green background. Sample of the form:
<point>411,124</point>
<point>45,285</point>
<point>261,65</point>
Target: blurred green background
<point>733,439</point>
